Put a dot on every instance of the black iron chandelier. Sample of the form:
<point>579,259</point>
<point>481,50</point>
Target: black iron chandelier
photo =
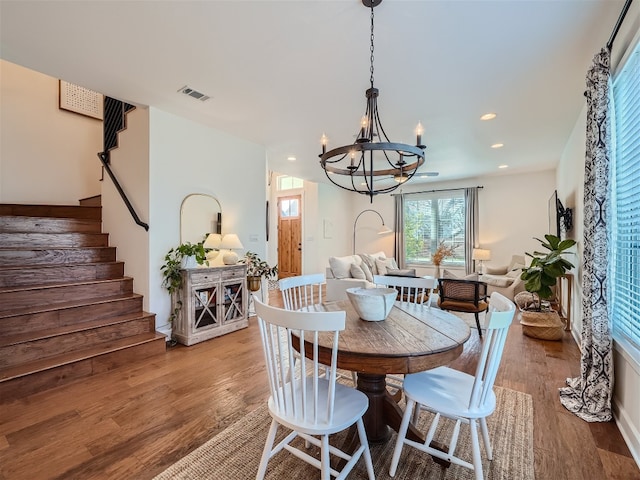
<point>372,164</point>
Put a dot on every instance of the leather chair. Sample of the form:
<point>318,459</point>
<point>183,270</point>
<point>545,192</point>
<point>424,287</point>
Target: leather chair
<point>459,295</point>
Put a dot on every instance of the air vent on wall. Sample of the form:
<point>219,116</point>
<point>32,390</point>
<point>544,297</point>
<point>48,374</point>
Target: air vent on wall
<point>194,93</point>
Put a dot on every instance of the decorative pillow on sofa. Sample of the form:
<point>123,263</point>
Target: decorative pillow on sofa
<point>341,266</point>
<point>497,280</point>
<point>367,272</point>
<point>370,261</point>
<point>406,272</point>
<point>383,265</point>
<point>357,272</point>
<point>447,274</point>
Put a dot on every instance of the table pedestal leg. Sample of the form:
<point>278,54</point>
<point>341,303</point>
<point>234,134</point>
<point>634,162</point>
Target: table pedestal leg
<point>383,411</point>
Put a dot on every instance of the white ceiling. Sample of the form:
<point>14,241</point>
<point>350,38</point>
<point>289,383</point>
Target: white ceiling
<point>280,73</point>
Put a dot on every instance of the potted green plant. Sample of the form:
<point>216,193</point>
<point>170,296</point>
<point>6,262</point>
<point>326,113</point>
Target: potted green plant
<point>540,277</point>
<point>174,261</point>
<point>256,270</point>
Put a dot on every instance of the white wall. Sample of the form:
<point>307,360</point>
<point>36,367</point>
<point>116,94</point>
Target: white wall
<point>512,211</point>
<point>130,164</point>
<point>47,155</point>
<point>570,180</point>
<point>186,157</point>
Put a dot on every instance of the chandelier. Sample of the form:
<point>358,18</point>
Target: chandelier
<point>372,164</point>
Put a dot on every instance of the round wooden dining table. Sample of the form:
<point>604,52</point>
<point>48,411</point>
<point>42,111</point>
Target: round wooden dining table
<point>411,339</point>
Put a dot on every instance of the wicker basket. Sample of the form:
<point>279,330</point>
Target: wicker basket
<point>542,325</point>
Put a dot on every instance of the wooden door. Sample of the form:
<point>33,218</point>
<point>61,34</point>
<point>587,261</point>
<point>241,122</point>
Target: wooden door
<point>289,236</point>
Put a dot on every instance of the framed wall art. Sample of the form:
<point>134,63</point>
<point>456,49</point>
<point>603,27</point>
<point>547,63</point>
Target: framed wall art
<point>77,99</point>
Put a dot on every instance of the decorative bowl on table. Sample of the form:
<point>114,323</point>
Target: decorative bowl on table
<point>372,304</point>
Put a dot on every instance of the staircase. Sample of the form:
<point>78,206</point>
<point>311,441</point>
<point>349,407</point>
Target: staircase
<point>66,309</point>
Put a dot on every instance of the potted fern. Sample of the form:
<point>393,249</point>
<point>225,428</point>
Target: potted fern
<point>538,319</point>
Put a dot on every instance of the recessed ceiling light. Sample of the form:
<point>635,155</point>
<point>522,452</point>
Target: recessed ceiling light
<point>497,145</point>
<point>291,158</point>
<point>503,166</point>
<point>488,116</point>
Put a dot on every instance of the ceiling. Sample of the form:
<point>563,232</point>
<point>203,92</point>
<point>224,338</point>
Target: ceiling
<point>282,73</point>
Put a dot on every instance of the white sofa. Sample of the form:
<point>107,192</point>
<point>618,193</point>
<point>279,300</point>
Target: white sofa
<point>342,274</point>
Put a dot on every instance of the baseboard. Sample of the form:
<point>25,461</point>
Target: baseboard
<point>165,330</point>
<point>628,430</point>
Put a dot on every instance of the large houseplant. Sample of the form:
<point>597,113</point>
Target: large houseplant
<point>538,319</point>
<point>174,261</point>
<point>546,267</point>
<point>257,269</point>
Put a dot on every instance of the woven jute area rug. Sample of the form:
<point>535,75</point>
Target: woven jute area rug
<point>234,454</point>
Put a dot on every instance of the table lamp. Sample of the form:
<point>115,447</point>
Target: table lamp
<point>230,242</point>
<point>481,255</point>
<point>212,243</point>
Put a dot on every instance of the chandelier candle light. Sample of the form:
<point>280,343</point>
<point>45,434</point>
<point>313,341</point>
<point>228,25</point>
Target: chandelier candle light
<point>357,166</point>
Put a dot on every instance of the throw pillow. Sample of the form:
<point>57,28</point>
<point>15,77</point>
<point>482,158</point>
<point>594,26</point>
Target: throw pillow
<point>370,260</point>
<point>450,275</point>
<point>357,272</point>
<point>383,265</point>
<point>407,272</point>
<point>341,266</point>
<point>447,274</point>
<point>367,272</point>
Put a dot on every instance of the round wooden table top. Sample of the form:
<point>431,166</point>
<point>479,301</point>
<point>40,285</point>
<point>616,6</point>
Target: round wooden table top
<point>413,338</point>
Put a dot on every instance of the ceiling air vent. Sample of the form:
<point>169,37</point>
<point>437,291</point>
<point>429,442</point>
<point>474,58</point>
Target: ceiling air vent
<point>194,93</point>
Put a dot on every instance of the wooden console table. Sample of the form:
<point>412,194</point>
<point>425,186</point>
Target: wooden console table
<point>214,302</point>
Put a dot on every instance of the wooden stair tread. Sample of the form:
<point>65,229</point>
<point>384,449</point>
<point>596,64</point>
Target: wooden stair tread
<point>46,286</point>
<point>63,305</point>
<point>56,211</point>
<point>76,327</point>
<point>67,358</point>
<point>58,265</point>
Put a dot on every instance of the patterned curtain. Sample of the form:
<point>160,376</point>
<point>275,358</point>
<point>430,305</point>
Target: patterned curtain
<point>398,248</point>
<point>589,396</point>
<point>471,226</point>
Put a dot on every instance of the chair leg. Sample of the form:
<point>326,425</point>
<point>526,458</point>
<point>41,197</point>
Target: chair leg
<point>478,324</point>
<point>402,433</point>
<point>325,463</point>
<point>266,453</point>
<point>475,448</point>
<point>485,437</point>
<point>367,454</point>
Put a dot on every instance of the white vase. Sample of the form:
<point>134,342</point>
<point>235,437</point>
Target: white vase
<point>436,273</point>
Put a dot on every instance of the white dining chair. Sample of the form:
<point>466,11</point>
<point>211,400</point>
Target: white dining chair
<point>310,405</point>
<point>459,396</point>
<point>304,292</point>
<point>415,290</point>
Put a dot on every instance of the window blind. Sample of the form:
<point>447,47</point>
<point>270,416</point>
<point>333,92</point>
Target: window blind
<point>431,218</point>
<point>625,225</point>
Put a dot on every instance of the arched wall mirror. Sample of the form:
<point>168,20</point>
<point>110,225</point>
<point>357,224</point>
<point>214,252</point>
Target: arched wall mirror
<point>200,214</point>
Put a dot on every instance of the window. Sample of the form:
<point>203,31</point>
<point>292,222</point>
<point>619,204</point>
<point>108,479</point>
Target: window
<point>285,182</point>
<point>431,218</point>
<point>625,225</point>
<point>289,207</point>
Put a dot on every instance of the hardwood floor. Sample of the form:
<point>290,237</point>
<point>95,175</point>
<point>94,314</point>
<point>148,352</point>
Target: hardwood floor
<point>132,423</point>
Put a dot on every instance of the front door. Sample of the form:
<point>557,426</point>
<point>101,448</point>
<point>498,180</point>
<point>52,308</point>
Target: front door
<point>289,236</point>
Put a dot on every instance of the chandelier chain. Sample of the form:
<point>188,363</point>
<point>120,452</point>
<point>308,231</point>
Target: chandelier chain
<point>371,48</point>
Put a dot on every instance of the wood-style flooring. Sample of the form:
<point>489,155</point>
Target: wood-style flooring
<point>132,423</point>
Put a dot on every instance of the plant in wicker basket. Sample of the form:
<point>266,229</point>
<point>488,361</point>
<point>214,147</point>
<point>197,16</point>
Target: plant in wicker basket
<point>538,319</point>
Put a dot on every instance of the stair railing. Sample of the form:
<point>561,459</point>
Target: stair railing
<point>114,121</point>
